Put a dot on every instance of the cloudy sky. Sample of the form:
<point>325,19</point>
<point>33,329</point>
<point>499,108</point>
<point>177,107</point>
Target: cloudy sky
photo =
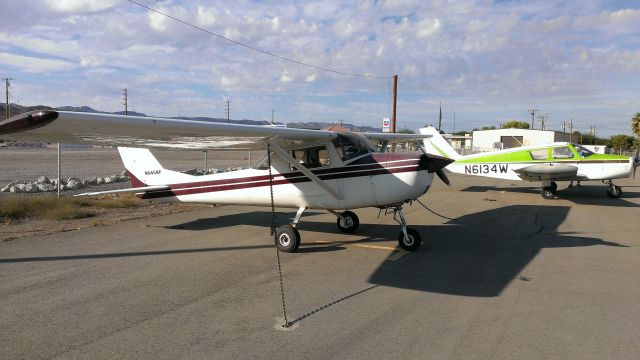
<point>487,61</point>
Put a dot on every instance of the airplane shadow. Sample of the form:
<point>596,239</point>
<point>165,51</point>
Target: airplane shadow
<point>481,253</point>
<point>477,255</point>
<point>585,195</point>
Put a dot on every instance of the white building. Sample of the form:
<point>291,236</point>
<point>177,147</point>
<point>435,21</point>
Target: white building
<point>487,140</point>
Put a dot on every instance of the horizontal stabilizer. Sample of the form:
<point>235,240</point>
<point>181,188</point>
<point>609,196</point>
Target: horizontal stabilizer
<point>129,190</point>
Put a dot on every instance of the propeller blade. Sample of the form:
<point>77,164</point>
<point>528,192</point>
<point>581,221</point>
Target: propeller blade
<point>443,177</point>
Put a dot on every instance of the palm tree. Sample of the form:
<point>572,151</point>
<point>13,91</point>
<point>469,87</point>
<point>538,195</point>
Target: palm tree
<point>635,124</point>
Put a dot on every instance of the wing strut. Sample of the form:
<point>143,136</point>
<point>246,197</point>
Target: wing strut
<point>280,151</point>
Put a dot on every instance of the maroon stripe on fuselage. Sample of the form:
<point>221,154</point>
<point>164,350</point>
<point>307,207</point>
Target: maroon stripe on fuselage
<point>236,186</point>
<point>318,172</point>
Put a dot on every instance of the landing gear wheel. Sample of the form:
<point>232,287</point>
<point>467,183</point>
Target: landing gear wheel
<point>411,242</point>
<point>348,223</point>
<point>614,191</point>
<point>548,192</point>
<point>287,238</point>
<point>554,186</point>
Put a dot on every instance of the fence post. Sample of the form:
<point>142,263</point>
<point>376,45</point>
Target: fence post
<point>205,161</point>
<point>249,157</point>
<point>59,175</point>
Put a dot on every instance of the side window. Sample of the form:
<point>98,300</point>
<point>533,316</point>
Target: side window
<point>313,157</point>
<point>562,153</point>
<point>539,154</point>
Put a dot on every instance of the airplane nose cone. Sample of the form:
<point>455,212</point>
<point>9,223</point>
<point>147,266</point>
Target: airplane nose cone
<point>433,163</point>
<point>27,121</point>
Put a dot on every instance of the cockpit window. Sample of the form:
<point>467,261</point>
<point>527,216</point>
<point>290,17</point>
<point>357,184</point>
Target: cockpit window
<point>582,151</point>
<point>539,154</point>
<point>350,146</point>
<point>562,153</point>
<point>312,157</point>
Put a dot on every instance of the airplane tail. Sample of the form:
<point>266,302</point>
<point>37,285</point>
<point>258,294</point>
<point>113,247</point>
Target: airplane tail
<point>145,170</point>
<point>436,144</point>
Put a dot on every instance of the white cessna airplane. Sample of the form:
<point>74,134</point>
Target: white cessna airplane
<point>303,169</point>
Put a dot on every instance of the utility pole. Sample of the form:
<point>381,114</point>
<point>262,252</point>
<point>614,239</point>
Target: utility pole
<point>227,107</point>
<point>542,119</point>
<point>393,107</point>
<point>125,101</point>
<point>440,118</point>
<point>454,121</point>
<point>533,114</point>
<point>571,130</point>
<point>6,90</point>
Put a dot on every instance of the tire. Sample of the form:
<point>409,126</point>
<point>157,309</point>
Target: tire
<point>287,238</point>
<point>349,224</point>
<point>554,186</point>
<point>547,192</point>
<point>412,243</point>
<point>614,192</point>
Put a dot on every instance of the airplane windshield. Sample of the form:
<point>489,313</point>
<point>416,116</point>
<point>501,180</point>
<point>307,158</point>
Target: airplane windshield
<point>350,146</point>
<point>584,152</point>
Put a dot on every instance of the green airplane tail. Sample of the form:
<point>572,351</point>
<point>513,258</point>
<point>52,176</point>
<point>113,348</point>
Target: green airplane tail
<point>437,144</point>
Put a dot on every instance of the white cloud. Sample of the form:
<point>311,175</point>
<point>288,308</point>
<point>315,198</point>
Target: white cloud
<point>33,64</point>
<point>79,6</point>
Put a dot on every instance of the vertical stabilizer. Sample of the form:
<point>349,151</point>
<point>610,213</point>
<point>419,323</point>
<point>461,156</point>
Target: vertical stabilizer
<point>437,145</point>
<point>144,169</point>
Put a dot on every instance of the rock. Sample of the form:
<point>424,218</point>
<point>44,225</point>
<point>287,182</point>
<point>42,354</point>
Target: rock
<point>8,187</point>
<point>90,181</point>
<point>46,187</point>
<point>99,181</point>
<point>18,188</point>
<point>215,171</point>
<point>108,180</point>
<point>43,180</point>
<point>123,173</point>
<point>31,188</point>
<point>73,178</point>
<point>73,184</point>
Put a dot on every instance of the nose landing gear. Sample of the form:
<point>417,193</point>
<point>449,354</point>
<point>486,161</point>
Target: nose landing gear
<point>408,239</point>
<point>613,191</point>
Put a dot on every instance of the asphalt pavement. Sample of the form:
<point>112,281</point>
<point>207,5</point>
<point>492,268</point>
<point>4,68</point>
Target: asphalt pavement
<point>513,277</point>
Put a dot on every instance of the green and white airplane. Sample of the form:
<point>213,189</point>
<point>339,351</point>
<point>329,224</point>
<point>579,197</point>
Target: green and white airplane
<point>547,163</point>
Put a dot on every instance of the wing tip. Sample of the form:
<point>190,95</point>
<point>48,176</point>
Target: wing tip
<point>27,121</point>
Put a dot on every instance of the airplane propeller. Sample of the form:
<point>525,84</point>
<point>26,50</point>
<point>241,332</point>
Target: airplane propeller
<point>429,164</point>
<point>636,161</point>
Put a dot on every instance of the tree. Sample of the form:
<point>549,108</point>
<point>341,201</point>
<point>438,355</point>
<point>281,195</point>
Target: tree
<point>406,130</point>
<point>635,124</point>
<point>621,142</point>
<point>515,124</point>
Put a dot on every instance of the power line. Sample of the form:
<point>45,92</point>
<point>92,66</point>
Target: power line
<point>256,49</point>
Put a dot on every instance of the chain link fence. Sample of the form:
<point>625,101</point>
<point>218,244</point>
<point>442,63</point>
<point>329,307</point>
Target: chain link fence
<point>33,169</point>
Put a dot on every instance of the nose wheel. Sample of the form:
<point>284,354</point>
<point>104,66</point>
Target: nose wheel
<point>409,239</point>
<point>614,191</point>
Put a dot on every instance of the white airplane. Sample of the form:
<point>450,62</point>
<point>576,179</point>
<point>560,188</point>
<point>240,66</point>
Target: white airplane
<point>303,169</point>
<point>547,163</point>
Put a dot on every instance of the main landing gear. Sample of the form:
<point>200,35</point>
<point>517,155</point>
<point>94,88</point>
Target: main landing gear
<point>613,191</point>
<point>408,239</point>
<point>548,190</point>
<point>288,237</point>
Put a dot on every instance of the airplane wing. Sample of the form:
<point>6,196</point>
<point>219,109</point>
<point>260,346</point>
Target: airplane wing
<point>552,171</point>
<point>148,132</point>
<point>395,137</point>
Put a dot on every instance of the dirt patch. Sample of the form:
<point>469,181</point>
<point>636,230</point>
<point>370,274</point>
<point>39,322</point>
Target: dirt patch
<point>101,217</point>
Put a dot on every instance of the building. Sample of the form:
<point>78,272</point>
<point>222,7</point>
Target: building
<point>487,140</point>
